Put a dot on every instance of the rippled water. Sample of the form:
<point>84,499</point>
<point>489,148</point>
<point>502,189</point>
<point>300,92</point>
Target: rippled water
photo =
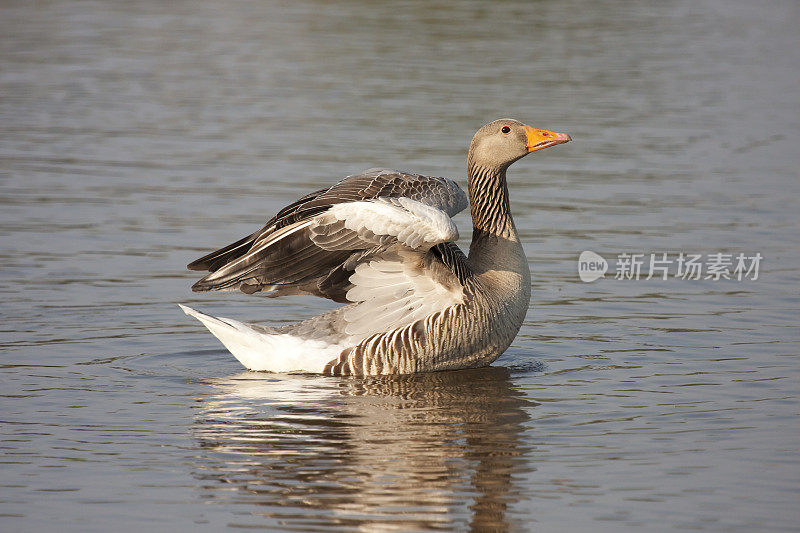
<point>135,137</point>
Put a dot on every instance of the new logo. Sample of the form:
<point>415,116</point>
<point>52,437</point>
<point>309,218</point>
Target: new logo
<point>591,266</point>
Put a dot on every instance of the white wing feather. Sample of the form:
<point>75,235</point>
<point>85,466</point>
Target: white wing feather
<point>391,294</point>
<point>381,221</point>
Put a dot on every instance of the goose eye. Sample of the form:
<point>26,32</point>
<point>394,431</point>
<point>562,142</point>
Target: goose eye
<point>506,129</point>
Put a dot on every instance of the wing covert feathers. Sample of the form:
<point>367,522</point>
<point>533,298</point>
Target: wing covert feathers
<point>382,221</point>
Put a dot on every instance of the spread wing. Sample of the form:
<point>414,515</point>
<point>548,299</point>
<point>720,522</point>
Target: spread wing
<point>370,231</point>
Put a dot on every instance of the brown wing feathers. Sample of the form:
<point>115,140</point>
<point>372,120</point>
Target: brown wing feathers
<point>213,261</point>
<point>281,256</point>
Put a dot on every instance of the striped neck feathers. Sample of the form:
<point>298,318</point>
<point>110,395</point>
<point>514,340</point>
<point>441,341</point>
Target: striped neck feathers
<point>489,203</point>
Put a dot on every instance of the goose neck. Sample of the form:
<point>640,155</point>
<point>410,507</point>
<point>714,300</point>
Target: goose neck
<point>489,202</point>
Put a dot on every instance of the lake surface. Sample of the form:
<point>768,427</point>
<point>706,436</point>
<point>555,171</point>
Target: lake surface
<point>135,137</point>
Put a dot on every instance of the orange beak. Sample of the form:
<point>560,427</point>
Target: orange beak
<point>538,139</point>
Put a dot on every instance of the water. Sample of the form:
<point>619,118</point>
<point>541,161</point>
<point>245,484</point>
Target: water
<point>134,137</point>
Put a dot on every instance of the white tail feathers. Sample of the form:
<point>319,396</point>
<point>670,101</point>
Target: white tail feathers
<point>270,352</point>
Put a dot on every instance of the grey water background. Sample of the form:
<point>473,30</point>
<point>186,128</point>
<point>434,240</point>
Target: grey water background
<point>135,137</point>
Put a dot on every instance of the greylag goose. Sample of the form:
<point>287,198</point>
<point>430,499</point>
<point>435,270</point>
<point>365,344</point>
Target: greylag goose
<point>382,242</point>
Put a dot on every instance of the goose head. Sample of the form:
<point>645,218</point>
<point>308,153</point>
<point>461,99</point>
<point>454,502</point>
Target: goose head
<point>498,144</point>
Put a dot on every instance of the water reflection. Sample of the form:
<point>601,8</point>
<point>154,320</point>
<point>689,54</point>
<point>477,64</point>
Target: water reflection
<point>433,451</point>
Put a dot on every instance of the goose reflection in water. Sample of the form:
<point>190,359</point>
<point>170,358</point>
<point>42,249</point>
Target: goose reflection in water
<point>430,451</point>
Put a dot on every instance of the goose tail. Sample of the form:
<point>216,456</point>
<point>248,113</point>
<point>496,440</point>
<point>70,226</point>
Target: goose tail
<point>269,352</point>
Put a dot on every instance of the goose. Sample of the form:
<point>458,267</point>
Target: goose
<point>382,243</point>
